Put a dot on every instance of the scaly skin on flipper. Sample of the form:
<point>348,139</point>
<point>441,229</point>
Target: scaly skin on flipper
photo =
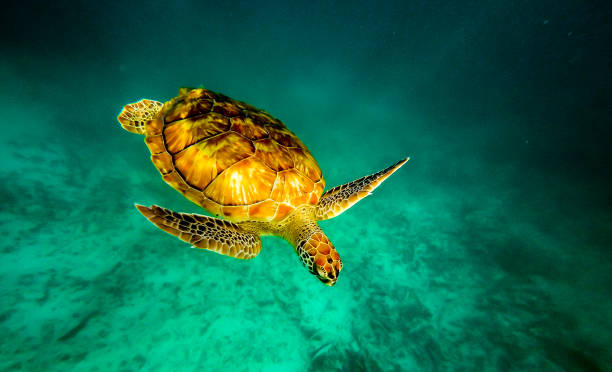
<point>204,232</point>
<point>340,198</point>
<point>135,115</point>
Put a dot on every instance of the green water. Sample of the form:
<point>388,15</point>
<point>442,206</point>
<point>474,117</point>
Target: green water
<point>488,251</point>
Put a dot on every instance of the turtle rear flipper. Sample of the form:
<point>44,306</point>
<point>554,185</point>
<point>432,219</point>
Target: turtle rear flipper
<point>134,116</point>
<point>204,232</point>
<point>340,198</point>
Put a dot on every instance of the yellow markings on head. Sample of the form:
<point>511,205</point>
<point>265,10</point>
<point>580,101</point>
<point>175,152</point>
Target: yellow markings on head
<point>319,255</point>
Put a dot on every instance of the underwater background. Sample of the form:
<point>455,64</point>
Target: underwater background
<point>488,251</point>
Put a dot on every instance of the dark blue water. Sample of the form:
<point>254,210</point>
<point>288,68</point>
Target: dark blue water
<point>488,251</point>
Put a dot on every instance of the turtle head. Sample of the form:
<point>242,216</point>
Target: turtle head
<point>320,257</point>
<point>327,270</point>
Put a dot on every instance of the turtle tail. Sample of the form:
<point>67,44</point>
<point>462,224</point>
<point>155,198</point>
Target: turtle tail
<point>134,116</point>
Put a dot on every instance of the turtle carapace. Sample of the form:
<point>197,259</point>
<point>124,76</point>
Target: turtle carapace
<point>243,165</point>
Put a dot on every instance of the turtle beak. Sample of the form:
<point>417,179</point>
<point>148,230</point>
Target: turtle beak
<point>330,282</point>
<point>328,279</point>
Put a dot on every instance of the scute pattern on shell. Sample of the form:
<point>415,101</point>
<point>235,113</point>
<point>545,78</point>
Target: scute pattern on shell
<point>231,158</point>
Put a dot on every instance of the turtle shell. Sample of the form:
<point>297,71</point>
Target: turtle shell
<point>231,158</point>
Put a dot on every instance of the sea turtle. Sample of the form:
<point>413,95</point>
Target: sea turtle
<point>242,164</point>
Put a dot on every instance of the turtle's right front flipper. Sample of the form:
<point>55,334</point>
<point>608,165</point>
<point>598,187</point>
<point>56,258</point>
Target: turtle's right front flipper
<point>210,233</point>
<point>340,198</point>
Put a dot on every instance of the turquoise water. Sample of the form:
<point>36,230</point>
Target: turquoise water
<point>488,251</point>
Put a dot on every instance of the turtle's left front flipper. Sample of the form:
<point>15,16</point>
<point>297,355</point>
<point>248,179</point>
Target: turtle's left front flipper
<point>205,232</point>
<point>335,201</point>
